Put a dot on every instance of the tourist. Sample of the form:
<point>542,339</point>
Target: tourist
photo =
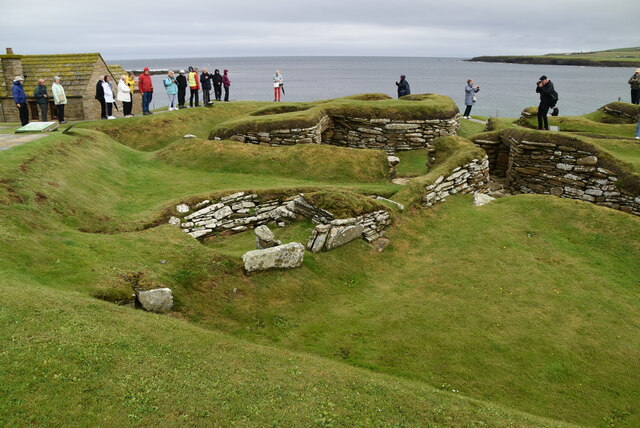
<point>278,83</point>
<point>226,82</point>
<point>469,97</point>
<point>194,86</point>
<point>205,81</point>
<point>548,99</point>
<point>59,98</point>
<point>217,84</point>
<point>131,83</point>
<point>145,86</point>
<point>107,89</point>
<point>172,89</point>
<point>181,80</point>
<point>100,98</point>
<point>42,99</point>
<point>20,98</point>
<point>124,95</point>
<point>635,87</point>
<point>403,86</point>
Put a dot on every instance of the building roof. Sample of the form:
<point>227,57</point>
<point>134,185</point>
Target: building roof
<point>74,70</point>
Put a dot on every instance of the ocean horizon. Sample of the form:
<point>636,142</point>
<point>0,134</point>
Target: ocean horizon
<point>505,89</point>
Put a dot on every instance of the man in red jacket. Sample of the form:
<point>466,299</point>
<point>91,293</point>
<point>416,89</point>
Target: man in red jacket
<point>146,89</point>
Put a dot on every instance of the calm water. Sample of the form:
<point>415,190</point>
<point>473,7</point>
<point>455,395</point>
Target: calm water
<point>505,89</point>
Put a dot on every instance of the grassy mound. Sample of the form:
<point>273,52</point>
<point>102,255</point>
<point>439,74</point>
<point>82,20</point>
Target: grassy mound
<point>450,153</point>
<point>428,106</point>
<point>306,161</point>
<point>113,366</point>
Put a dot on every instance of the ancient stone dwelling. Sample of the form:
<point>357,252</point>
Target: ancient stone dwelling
<point>79,74</point>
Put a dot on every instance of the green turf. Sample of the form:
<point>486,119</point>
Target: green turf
<point>621,57</point>
<point>529,303</point>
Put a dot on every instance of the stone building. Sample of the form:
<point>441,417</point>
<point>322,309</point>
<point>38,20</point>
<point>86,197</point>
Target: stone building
<point>79,74</point>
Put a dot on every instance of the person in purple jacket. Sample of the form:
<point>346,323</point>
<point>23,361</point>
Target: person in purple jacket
<point>20,99</point>
<point>226,83</point>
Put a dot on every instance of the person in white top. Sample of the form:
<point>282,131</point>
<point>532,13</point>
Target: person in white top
<point>59,98</point>
<point>278,83</point>
<point>124,95</point>
<point>108,96</point>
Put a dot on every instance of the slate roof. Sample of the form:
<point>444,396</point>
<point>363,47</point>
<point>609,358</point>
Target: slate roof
<point>74,70</point>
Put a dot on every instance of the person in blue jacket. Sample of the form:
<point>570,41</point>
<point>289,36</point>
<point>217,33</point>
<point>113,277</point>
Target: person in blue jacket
<point>20,99</point>
<point>403,86</point>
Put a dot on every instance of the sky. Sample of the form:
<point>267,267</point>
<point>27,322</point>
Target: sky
<point>142,29</point>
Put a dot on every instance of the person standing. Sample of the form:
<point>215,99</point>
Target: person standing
<point>635,87</point>
<point>403,86</point>
<point>20,98</point>
<point>278,82</point>
<point>172,89</point>
<point>205,81</point>
<point>217,84</point>
<point>107,89</point>
<point>226,82</point>
<point>181,80</point>
<point>124,95</point>
<point>59,98</point>
<point>145,86</point>
<point>42,99</point>
<point>100,98</point>
<point>194,86</point>
<point>469,97</point>
<point>548,99</point>
<point>131,83</point>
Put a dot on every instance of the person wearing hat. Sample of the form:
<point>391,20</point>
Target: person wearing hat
<point>181,81</point>
<point>635,87</point>
<point>59,98</point>
<point>217,84</point>
<point>42,99</point>
<point>548,99</point>
<point>20,98</point>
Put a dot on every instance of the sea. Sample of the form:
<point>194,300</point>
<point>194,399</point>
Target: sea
<point>505,89</point>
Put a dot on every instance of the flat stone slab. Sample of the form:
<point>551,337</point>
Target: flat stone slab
<point>286,256</point>
<point>38,127</point>
<point>8,141</point>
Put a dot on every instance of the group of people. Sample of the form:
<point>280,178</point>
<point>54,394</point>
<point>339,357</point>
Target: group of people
<point>41,94</point>
<point>175,86</point>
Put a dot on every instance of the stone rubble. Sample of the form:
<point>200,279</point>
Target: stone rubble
<point>339,232</point>
<point>480,199</point>
<point>265,238</point>
<point>469,178</point>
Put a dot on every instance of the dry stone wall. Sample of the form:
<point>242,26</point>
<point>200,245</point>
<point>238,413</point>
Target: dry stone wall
<point>469,178</point>
<point>239,212</point>
<point>390,135</point>
<point>568,172</point>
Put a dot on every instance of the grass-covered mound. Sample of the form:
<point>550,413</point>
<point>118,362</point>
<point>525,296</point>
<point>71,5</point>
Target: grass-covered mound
<point>450,153</point>
<point>427,106</point>
<point>69,360</point>
<point>595,123</point>
<point>305,161</point>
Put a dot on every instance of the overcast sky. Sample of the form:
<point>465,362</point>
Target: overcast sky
<point>451,28</point>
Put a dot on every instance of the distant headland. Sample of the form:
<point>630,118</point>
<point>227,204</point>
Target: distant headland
<point>623,57</point>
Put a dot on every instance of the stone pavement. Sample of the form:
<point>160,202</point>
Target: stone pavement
<point>11,140</point>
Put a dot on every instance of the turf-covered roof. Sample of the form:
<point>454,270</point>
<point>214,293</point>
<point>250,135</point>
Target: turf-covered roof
<point>74,70</point>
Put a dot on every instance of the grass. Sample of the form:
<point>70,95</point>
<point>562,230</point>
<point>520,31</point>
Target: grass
<point>528,303</point>
<point>621,57</point>
<point>413,163</point>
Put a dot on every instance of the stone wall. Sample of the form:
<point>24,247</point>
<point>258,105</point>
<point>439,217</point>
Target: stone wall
<point>469,178</point>
<point>497,154</point>
<point>568,172</point>
<point>391,135</point>
<point>240,212</point>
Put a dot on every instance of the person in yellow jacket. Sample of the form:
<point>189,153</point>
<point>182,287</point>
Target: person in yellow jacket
<point>194,86</point>
<point>130,81</point>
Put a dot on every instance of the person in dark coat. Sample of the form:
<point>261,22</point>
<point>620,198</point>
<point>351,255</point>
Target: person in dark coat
<point>217,84</point>
<point>635,87</point>
<point>20,98</point>
<point>100,98</point>
<point>205,82</point>
<point>181,80</point>
<point>403,86</point>
<point>548,99</point>
<point>42,99</point>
